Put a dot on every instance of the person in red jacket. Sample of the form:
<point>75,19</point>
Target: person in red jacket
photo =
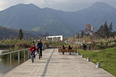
<point>33,49</point>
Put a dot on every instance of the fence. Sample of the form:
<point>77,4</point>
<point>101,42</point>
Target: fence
<point>17,51</point>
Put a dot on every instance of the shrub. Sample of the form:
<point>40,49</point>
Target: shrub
<point>22,45</point>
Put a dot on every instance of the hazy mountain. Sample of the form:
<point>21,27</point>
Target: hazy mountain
<point>31,17</point>
<point>97,14</point>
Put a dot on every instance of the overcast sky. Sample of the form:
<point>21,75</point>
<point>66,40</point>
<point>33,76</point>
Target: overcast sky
<point>65,5</point>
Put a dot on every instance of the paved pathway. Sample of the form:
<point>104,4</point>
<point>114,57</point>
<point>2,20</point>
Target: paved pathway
<point>55,65</point>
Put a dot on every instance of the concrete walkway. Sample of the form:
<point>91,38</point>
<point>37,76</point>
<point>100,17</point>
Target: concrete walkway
<point>53,64</point>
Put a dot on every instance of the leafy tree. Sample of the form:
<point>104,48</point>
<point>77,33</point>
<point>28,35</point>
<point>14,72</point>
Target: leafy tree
<point>20,34</point>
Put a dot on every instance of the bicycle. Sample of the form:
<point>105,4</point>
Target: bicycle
<point>39,53</point>
<point>32,56</point>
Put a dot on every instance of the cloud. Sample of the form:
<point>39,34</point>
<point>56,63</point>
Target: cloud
<point>35,1</point>
<point>7,3</point>
<point>66,5</point>
<point>2,4</point>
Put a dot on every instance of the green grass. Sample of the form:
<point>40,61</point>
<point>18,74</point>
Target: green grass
<point>106,57</point>
<point>56,44</point>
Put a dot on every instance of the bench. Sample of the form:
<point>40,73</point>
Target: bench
<point>66,50</point>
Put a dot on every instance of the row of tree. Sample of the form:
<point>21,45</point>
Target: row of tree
<point>105,31</point>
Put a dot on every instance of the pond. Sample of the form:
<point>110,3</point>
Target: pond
<point>5,64</point>
<point>3,68</point>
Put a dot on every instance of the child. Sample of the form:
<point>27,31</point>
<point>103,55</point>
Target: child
<point>33,49</point>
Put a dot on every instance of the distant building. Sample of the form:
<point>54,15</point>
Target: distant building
<point>89,30</point>
<point>88,27</point>
<point>55,38</point>
<point>92,28</point>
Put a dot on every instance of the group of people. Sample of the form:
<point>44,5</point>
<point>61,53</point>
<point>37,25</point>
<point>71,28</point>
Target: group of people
<point>69,47</point>
<point>37,48</point>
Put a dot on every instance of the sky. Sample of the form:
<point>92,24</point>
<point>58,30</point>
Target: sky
<point>64,5</point>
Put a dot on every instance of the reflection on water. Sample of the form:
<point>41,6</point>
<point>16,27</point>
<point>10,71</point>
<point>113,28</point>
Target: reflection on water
<point>5,62</point>
<point>4,68</point>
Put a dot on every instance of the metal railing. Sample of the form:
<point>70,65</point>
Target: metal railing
<point>2,54</point>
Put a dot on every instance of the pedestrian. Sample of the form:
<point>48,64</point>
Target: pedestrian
<point>39,48</point>
<point>84,46</point>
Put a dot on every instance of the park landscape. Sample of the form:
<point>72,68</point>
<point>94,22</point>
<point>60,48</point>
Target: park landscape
<point>94,26</point>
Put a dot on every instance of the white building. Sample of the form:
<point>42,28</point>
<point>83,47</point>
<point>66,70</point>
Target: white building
<point>53,38</point>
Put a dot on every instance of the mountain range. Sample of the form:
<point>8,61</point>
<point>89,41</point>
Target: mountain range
<point>57,22</point>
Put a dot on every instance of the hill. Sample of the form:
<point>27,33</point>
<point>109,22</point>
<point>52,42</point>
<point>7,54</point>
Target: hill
<point>31,17</point>
<point>5,33</point>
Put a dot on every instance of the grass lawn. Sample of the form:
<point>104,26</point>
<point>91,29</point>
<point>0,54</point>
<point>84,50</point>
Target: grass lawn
<point>106,57</point>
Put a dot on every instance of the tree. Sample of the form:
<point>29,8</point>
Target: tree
<point>82,34</point>
<point>110,27</point>
<point>20,34</point>
<point>105,30</point>
<point>100,32</point>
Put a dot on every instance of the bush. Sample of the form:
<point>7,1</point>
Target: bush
<point>22,45</point>
<point>2,46</point>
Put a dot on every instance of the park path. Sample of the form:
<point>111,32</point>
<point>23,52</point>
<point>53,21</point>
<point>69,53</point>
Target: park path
<point>54,64</point>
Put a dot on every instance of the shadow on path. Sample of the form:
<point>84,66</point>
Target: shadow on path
<point>45,69</point>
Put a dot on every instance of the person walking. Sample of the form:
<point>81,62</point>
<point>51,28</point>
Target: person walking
<point>84,47</point>
<point>39,48</point>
